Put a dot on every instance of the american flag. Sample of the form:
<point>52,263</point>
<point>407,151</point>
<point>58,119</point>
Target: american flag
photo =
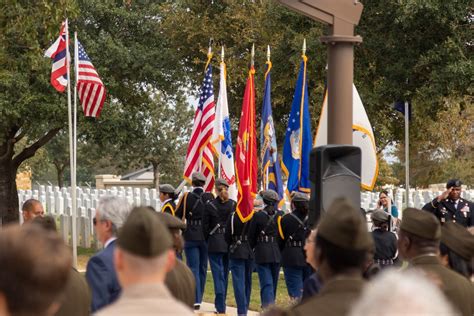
<point>199,156</point>
<point>90,88</point>
<point>57,52</point>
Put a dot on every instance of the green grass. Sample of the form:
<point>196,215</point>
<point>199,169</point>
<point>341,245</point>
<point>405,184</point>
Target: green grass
<point>282,298</point>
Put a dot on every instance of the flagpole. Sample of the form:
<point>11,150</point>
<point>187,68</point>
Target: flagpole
<point>266,171</point>
<point>219,154</point>
<point>407,156</point>
<point>71,150</point>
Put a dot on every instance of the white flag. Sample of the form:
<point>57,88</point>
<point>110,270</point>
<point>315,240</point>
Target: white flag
<point>362,136</point>
<point>221,138</point>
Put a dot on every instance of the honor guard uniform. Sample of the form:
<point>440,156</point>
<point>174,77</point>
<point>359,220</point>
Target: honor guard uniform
<point>450,207</point>
<point>419,238</point>
<point>385,241</point>
<point>241,259</point>
<point>167,197</point>
<point>293,230</point>
<point>215,218</point>
<point>190,209</point>
<point>263,237</point>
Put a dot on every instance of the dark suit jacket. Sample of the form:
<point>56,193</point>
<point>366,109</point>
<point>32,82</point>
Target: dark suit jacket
<point>262,226</point>
<point>102,278</point>
<point>217,213</point>
<point>77,296</point>
<point>290,230</point>
<point>191,207</point>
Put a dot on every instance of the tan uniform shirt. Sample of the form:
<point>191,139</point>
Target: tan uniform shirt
<point>457,289</point>
<point>335,299</point>
<point>146,299</point>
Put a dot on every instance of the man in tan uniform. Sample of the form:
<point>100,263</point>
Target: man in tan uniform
<point>341,247</point>
<point>418,242</point>
<point>142,258</point>
<point>180,281</point>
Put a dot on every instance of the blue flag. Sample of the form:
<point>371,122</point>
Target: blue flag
<point>298,140</point>
<point>271,171</point>
<point>400,107</point>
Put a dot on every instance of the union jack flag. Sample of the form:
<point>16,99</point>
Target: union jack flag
<point>199,156</point>
<point>57,52</point>
<point>90,88</point>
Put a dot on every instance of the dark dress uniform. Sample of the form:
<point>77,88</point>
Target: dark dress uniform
<point>447,210</point>
<point>385,247</point>
<point>241,260</point>
<point>169,207</point>
<point>191,209</point>
<point>214,224</point>
<point>263,237</point>
<point>293,230</point>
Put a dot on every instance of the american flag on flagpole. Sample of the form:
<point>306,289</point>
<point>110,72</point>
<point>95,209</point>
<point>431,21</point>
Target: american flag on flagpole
<point>90,88</point>
<point>199,156</point>
<point>57,52</point>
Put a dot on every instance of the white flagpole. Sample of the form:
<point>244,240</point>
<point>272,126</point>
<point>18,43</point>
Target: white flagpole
<point>407,156</point>
<point>71,149</point>
<point>219,154</point>
<point>270,145</point>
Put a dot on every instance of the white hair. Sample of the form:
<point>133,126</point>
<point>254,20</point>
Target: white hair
<point>114,209</point>
<point>395,293</point>
<point>144,266</point>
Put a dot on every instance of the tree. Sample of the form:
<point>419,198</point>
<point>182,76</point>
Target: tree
<point>30,108</point>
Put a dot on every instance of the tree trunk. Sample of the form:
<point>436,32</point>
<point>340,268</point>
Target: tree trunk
<point>60,173</point>
<point>9,212</point>
<point>156,175</point>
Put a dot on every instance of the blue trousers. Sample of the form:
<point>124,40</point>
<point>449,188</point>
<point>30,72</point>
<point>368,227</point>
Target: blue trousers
<point>242,283</point>
<point>220,274</point>
<point>294,279</point>
<point>196,259</point>
<point>268,274</point>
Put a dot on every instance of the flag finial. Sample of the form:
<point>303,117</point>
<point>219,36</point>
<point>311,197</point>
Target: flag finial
<point>304,47</point>
<point>268,53</point>
<point>252,55</point>
<point>209,52</point>
<point>222,54</point>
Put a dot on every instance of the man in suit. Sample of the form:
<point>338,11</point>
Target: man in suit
<point>418,242</point>
<point>142,258</point>
<point>293,231</point>
<point>340,252</point>
<point>190,209</point>
<point>167,199</point>
<point>110,215</point>
<point>450,207</point>
<point>180,281</point>
<point>215,219</point>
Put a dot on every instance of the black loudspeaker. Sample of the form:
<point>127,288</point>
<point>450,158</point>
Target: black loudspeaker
<point>334,172</point>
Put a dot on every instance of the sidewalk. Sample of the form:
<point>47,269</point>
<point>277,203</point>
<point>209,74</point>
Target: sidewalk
<point>208,309</point>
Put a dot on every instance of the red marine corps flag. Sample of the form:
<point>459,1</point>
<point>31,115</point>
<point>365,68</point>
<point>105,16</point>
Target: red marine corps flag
<point>246,152</point>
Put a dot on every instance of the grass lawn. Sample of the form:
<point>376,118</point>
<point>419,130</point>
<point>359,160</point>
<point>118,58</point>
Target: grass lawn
<point>282,299</point>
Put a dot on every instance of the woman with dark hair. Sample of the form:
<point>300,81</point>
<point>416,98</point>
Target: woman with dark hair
<point>386,203</point>
<point>385,241</point>
<point>457,248</point>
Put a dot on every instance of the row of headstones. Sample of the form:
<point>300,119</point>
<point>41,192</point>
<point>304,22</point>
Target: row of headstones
<point>58,200</point>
